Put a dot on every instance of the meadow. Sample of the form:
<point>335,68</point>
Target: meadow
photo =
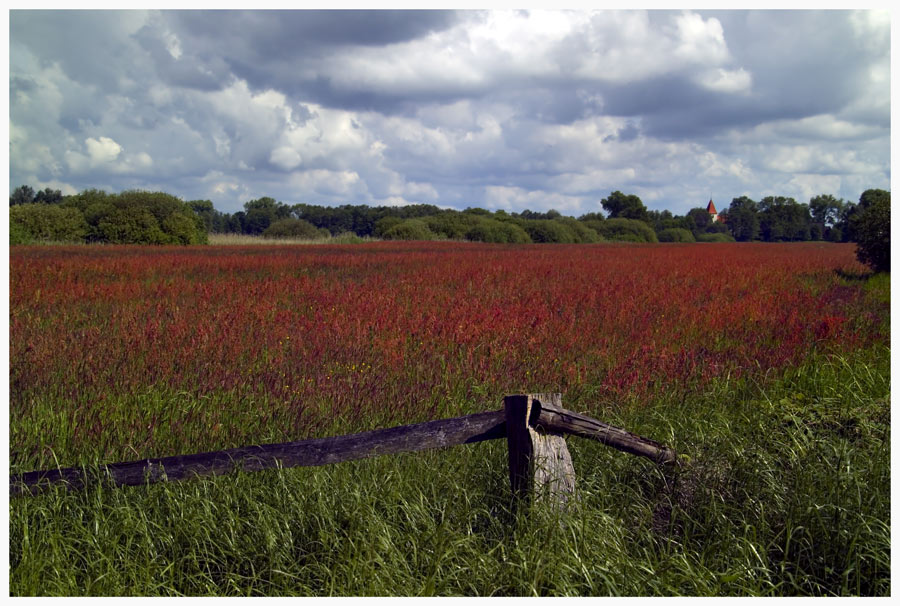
<point>766,366</point>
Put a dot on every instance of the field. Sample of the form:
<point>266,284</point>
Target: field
<point>766,366</point>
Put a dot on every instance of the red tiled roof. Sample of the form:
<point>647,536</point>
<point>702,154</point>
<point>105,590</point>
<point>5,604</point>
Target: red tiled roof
<point>711,208</point>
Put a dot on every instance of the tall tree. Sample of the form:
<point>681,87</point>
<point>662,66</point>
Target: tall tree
<point>871,228</point>
<point>743,219</point>
<point>21,195</point>
<point>621,206</point>
<point>782,218</point>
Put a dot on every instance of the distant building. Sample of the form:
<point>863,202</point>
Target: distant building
<point>713,213</point>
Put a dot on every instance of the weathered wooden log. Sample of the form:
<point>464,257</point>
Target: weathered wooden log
<point>322,451</point>
<point>539,462</point>
<point>553,417</point>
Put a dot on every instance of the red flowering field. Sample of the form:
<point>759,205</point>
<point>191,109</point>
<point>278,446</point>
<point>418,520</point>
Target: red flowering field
<point>119,353</point>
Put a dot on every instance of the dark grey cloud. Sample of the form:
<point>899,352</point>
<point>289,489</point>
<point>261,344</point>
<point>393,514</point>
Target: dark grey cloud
<point>534,109</point>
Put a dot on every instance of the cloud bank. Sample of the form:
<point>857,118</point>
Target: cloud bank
<point>500,109</point>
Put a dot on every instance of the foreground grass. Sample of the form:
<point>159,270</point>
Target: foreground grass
<point>783,489</point>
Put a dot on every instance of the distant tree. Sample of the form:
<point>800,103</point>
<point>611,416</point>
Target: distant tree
<point>782,218</point>
<point>213,220</point>
<point>410,229</point>
<point>743,219</point>
<point>845,222</point>
<point>592,217</point>
<point>21,195</point>
<point>262,212</point>
<point>131,225</point>
<point>826,209</point>
<point>384,225</point>
<point>51,223</point>
<point>182,228</point>
<point>292,227</point>
<point>624,230</point>
<point>48,196</point>
<point>621,206</point>
<point>538,216</point>
<point>675,234</point>
<point>700,220</point>
<point>714,237</point>
<point>583,233</point>
<point>871,228</point>
<point>18,235</point>
<point>544,231</point>
<point>491,230</point>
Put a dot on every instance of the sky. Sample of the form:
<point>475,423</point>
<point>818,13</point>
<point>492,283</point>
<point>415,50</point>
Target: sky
<point>497,109</point>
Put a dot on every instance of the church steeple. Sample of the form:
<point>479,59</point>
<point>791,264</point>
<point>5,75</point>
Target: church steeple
<point>711,209</point>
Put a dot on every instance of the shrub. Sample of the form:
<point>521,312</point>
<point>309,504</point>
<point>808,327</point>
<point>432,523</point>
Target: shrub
<point>410,229</point>
<point>183,229</point>
<point>714,238</point>
<point>384,225</point>
<point>584,234</point>
<point>18,235</point>
<point>48,222</point>
<point>131,225</point>
<point>871,229</point>
<point>294,228</point>
<point>624,230</point>
<point>348,237</point>
<point>675,234</point>
<point>489,230</point>
<point>452,225</point>
<point>548,231</point>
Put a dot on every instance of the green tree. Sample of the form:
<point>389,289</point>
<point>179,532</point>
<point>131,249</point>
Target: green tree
<point>583,233</point>
<point>826,209</point>
<point>410,229</point>
<point>18,235</point>
<point>51,223</point>
<point>262,212</point>
<point>291,227</point>
<point>490,230</point>
<point>624,230</point>
<point>181,228</point>
<point>871,229</point>
<point>21,195</point>
<point>621,206</point>
<point>48,196</point>
<point>743,219</point>
<point>543,231</point>
<point>675,234</point>
<point>699,220</point>
<point>782,218</point>
<point>131,225</point>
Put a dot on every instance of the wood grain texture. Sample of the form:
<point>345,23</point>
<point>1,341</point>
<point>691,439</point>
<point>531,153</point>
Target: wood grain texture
<point>553,417</point>
<point>540,465</point>
<point>322,451</point>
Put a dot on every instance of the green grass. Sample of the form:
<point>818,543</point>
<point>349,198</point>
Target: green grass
<point>783,489</point>
<point>247,240</point>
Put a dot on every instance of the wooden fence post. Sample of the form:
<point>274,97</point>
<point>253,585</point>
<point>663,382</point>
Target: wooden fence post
<point>539,462</point>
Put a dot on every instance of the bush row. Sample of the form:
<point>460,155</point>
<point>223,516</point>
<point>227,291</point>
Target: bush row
<point>130,217</point>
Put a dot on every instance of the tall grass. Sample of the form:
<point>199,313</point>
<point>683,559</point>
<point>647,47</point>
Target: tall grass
<point>246,240</point>
<point>766,369</point>
<point>782,489</point>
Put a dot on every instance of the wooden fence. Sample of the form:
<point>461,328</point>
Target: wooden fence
<point>533,424</point>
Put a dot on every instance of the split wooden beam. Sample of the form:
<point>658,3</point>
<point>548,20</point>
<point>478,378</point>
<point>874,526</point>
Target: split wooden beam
<point>307,453</point>
<point>534,425</point>
<point>540,465</point>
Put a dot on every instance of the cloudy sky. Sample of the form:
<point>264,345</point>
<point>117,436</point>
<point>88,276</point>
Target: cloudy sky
<point>497,109</point>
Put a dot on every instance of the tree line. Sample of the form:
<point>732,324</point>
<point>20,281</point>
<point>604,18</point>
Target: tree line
<point>159,218</point>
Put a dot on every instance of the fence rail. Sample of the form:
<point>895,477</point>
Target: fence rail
<point>532,423</point>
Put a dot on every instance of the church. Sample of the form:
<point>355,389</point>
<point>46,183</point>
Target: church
<point>713,213</point>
